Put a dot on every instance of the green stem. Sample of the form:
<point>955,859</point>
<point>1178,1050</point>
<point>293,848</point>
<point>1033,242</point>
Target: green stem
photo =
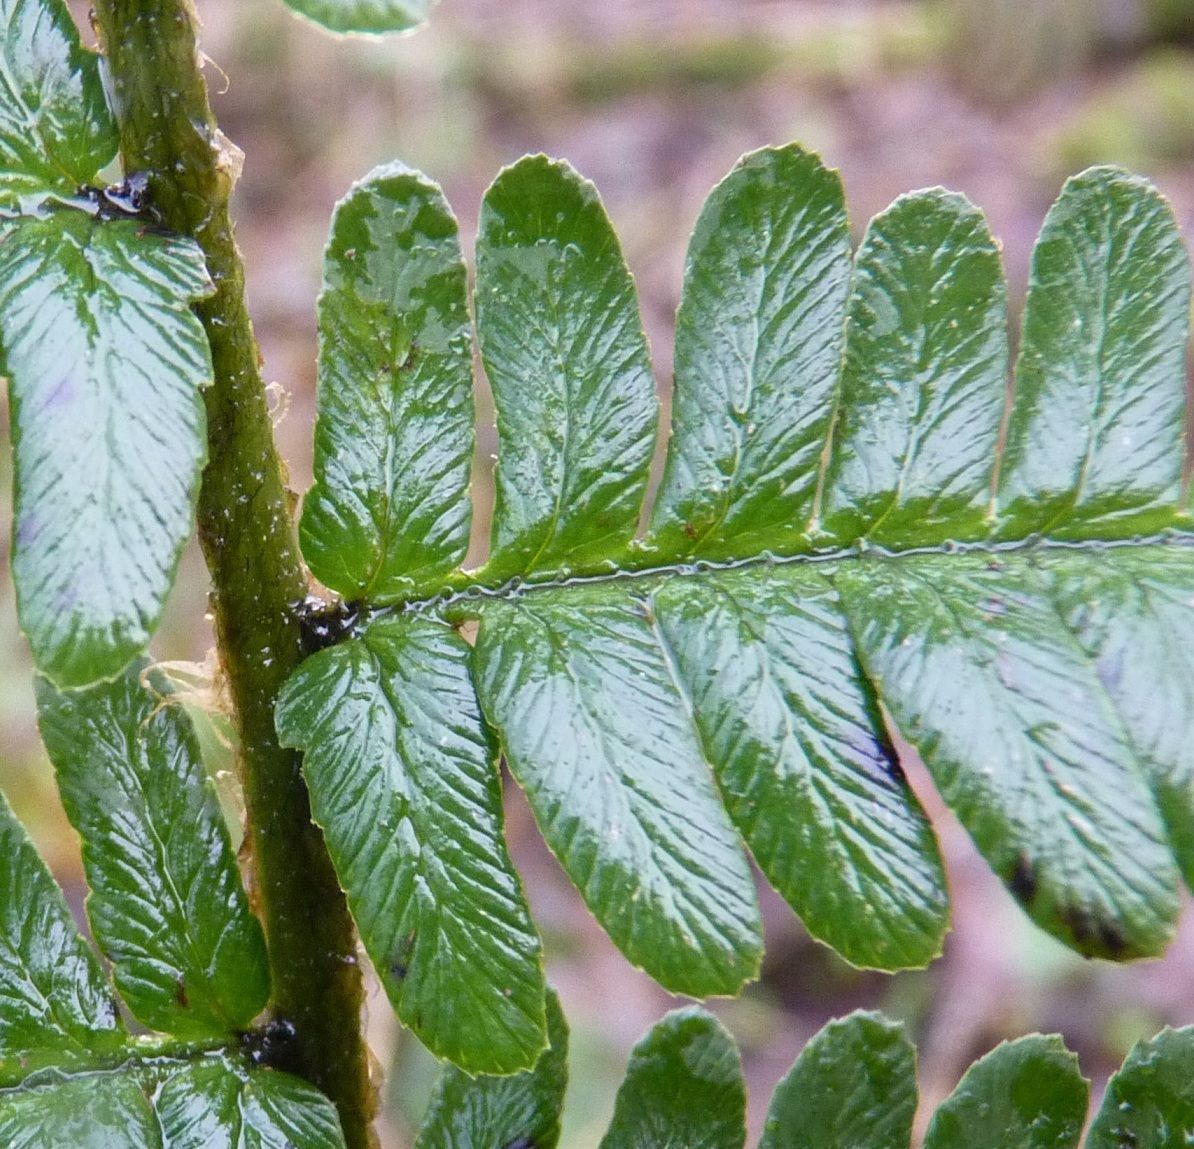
<point>168,132</point>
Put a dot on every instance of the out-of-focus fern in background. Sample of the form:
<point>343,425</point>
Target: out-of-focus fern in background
<point>654,100</point>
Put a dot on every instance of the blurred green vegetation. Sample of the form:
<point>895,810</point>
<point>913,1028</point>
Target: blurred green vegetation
<point>1143,119</point>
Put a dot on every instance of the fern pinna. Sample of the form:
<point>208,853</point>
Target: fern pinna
<point>852,1087</point>
<point>851,515</point>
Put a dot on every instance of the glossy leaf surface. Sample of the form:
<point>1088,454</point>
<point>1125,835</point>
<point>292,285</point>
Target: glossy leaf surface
<point>520,1109</point>
<point>88,1111</point>
<point>166,905</point>
<point>565,353</point>
<point>1010,716</point>
<point>758,356</point>
<point>212,1102</point>
<point>593,724</point>
<point>403,782</point>
<point>55,1003</point>
<point>1134,620</point>
<point>1028,1094</point>
<point>853,1085</point>
<point>55,129</point>
<point>1095,441</point>
<point>370,17</point>
<point>1149,1103</point>
<point>683,1087</point>
<point>832,547</point>
<point>106,360</point>
<point>216,1103</point>
<point>923,379</point>
<point>389,512</point>
<point>808,775</point>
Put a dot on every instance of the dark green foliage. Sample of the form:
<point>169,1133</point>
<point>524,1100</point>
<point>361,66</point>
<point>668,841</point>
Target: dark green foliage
<point>402,779</point>
<point>836,529</point>
<point>683,1087</point>
<point>852,1087</point>
<point>854,1084</point>
<point>167,905</point>
<point>1025,1093</point>
<point>520,1109</point>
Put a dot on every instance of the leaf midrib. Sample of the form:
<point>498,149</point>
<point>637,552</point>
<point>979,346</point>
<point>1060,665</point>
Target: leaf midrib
<point>457,593</point>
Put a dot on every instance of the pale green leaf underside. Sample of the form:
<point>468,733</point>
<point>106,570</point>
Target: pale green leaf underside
<point>404,783</point>
<point>55,1004</point>
<point>166,905</point>
<point>369,17</point>
<point>522,1109</point>
<point>106,360</point>
<point>213,1102</point>
<point>55,129</point>
<point>830,417</point>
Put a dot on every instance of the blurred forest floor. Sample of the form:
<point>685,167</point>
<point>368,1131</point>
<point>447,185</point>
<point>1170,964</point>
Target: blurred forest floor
<point>654,100</point>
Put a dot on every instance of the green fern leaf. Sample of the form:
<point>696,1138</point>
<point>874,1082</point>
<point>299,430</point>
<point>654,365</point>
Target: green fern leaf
<point>168,909</point>
<point>1149,1103</point>
<point>167,905</point>
<point>837,531</point>
<point>852,1087</point>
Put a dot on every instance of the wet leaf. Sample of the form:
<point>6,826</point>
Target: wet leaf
<point>565,353</point>
<point>106,361</point>
<point>211,1102</point>
<point>1009,714</point>
<point>1134,620</point>
<point>795,737</point>
<point>1027,1093</point>
<point>1149,1103</point>
<point>853,1085</point>
<point>55,129</point>
<point>55,1003</point>
<point>683,1087</point>
<point>923,378</point>
<point>216,1103</point>
<point>403,782</point>
<point>389,512</point>
<point>522,1109</point>
<point>593,724</point>
<point>166,905</point>
<point>758,357</point>
<point>87,1111</point>
<point>832,543</point>
<point>1094,446</point>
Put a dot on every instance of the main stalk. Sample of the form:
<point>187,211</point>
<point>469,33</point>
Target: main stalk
<point>168,132</point>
